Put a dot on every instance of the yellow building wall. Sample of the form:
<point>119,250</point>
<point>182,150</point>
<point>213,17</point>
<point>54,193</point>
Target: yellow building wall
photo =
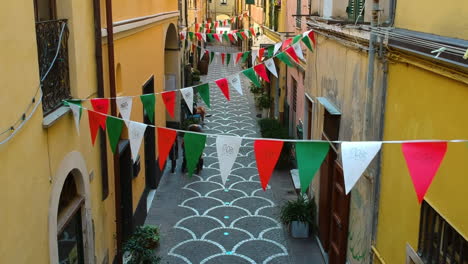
<point>421,105</point>
<point>432,16</point>
<point>128,9</point>
<point>29,162</point>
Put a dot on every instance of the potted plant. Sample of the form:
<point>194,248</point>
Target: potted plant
<point>196,76</point>
<point>255,90</point>
<point>140,246</point>
<point>300,216</point>
<point>264,103</point>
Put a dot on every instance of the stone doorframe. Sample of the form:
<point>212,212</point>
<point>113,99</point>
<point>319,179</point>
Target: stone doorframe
<point>73,164</point>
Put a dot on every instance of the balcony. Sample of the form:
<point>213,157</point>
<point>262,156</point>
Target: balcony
<point>52,49</point>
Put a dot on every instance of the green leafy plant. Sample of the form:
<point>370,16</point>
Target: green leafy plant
<point>141,245</point>
<point>195,75</point>
<point>264,101</point>
<point>302,210</point>
<point>255,90</point>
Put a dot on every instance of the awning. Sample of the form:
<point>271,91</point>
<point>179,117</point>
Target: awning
<point>331,108</point>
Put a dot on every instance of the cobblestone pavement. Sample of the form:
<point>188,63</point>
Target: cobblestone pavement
<point>203,221</point>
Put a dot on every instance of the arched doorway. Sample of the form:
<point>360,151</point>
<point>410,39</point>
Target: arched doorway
<point>70,215</point>
<point>172,68</point>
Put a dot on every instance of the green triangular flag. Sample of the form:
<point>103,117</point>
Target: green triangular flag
<point>212,24</point>
<point>191,36</point>
<point>296,39</point>
<point>239,36</point>
<point>228,58</point>
<point>204,92</point>
<point>226,37</point>
<point>250,73</point>
<point>245,56</point>
<point>271,49</point>
<point>310,156</point>
<point>149,101</point>
<point>284,58</point>
<point>194,145</point>
<point>114,129</point>
<point>212,56</point>
<point>250,33</point>
<point>307,42</point>
<point>210,36</point>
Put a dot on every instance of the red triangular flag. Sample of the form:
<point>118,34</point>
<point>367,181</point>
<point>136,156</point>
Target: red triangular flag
<point>239,56</point>
<point>244,35</point>
<point>166,138</point>
<point>423,160</point>
<point>312,37</point>
<point>286,43</point>
<point>231,38</point>
<point>101,105</point>
<point>293,54</point>
<point>223,85</point>
<point>93,119</point>
<point>261,71</point>
<point>199,36</point>
<point>261,52</point>
<point>267,153</point>
<point>252,31</point>
<point>223,55</point>
<point>217,37</point>
<point>182,37</point>
<point>197,27</point>
<point>169,99</point>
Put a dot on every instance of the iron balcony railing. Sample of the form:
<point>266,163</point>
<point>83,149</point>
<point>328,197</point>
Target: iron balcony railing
<point>52,49</point>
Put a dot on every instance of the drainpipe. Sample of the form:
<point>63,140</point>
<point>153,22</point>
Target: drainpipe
<point>111,65</point>
<point>100,93</point>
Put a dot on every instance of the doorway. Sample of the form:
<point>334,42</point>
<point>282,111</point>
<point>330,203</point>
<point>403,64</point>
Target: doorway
<point>126,193</point>
<point>150,143</point>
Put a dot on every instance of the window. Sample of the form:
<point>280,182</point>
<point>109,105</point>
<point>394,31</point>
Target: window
<point>355,10</point>
<point>298,13</point>
<point>224,2</point>
<point>439,243</point>
<point>45,10</point>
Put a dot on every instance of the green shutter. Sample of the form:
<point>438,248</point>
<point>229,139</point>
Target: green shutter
<point>354,9</point>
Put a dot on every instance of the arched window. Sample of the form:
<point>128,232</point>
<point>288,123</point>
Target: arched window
<point>224,2</point>
<point>69,224</point>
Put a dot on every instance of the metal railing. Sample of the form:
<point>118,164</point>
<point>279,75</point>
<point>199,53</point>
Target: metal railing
<point>52,50</point>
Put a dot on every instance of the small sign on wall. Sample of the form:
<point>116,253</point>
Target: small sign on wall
<point>250,2</point>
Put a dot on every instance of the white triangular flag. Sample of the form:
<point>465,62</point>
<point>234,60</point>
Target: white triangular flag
<point>217,57</point>
<point>235,36</point>
<point>220,36</point>
<point>227,149</point>
<point>202,53</point>
<point>235,81</point>
<point>306,33</point>
<point>204,36</point>
<point>187,94</point>
<point>76,115</point>
<point>184,34</point>
<point>270,65</point>
<point>277,47</point>
<point>356,157</point>
<point>298,49</point>
<point>136,131</point>
<point>125,107</point>
<point>254,56</point>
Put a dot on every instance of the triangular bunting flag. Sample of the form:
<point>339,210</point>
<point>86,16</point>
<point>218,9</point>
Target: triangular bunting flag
<point>197,27</point>
<point>245,55</point>
<point>199,36</point>
<point>239,36</point>
<point>235,36</point>
<point>191,35</point>
<point>306,41</point>
<point>254,56</point>
<point>291,52</point>
<point>235,81</point>
<point>124,104</point>
<point>93,119</point>
<point>217,37</point>
<point>169,99</point>
<point>296,39</point>
<point>252,31</point>
<point>187,94</point>
<point>212,55</point>
<point>356,157</point>
<point>202,53</point>
<point>228,59</point>
<point>423,160</point>
<point>298,49</point>
<point>210,36</point>
<point>76,110</point>
<point>204,92</point>
<point>183,35</point>
<point>286,43</point>
<point>261,53</point>
<point>166,138</point>
<point>203,36</point>
<point>223,85</point>
<point>227,149</point>
<point>222,58</point>
<point>101,105</point>
<point>194,145</point>
<point>310,156</point>
<point>238,57</point>
<point>277,47</point>
<point>270,64</point>
<point>271,51</point>
<point>149,101</point>
<point>250,73</point>
<point>244,36</point>
<point>267,153</point>
<point>312,37</point>
<point>114,129</point>
<point>231,38</point>
<point>261,71</point>
<point>284,58</point>
<point>226,37</point>
<point>136,131</point>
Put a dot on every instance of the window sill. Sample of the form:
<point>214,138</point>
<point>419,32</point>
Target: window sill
<point>54,116</point>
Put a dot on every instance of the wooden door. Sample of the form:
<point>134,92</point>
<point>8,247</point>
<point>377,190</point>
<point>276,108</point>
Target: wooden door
<point>126,197</point>
<point>150,143</point>
<point>326,172</point>
<point>339,218</point>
